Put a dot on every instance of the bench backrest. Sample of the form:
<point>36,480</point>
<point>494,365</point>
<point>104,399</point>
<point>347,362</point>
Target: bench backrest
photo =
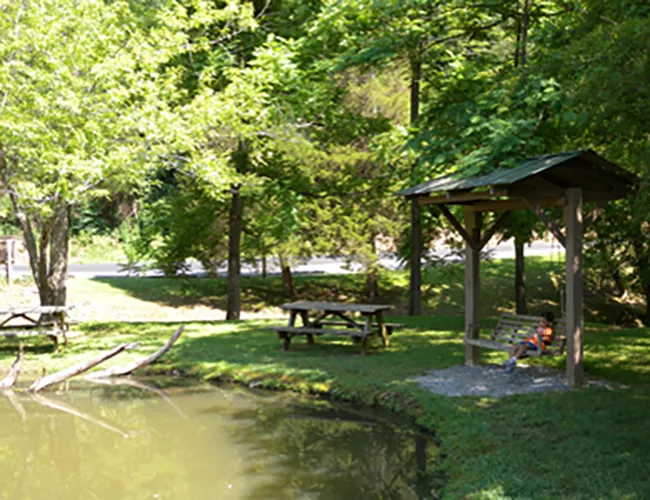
<point>513,328</point>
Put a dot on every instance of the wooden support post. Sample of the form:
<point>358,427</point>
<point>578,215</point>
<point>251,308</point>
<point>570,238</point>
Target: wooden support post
<point>472,285</point>
<point>574,287</point>
<point>416,258</point>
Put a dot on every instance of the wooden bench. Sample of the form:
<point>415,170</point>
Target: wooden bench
<point>513,328</point>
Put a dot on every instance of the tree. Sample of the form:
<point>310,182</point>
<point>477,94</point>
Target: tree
<point>78,84</point>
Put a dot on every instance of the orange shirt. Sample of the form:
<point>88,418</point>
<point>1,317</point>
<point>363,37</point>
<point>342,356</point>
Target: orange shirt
<point>545,333</point>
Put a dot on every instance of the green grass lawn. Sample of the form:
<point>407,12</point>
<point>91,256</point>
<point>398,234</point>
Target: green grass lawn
<point>593,443</point>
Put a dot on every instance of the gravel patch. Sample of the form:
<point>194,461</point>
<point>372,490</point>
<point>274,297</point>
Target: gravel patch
<point>491,381</point>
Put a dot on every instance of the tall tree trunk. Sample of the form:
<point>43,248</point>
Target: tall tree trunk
<point>372,274</point>
<point>524,30</point>
<point>520,277</point>
<point>287,278</point>
<point>518,41</point>
<point>264,266</point>
<point>372,284</point>
<point>646,318</point>
<point>415,278</point>
<point>416,76</point>
<point>643,265</point>
<point>233,307</point>
<point>521,303</point>
<point>48,259</point>
<point>59,249</point>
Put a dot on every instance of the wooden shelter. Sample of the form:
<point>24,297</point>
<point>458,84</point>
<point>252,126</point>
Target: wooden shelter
<point>557,180</point>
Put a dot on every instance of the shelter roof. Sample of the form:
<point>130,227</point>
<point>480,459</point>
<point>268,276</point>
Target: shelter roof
<point>541,178</point>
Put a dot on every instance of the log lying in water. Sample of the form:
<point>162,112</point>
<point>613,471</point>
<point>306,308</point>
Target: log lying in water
<point>15,402</point>
<point>83,367</point>
<point>77,369</point>
<point>61,406</point>
<point>118,371</point>
<point>14,371</point>
<point>129,382</point>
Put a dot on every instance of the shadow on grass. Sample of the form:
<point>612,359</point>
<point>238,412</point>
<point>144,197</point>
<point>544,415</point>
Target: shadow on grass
<point>443,291</point>
<point>257,293</point>
<point>33,344</point>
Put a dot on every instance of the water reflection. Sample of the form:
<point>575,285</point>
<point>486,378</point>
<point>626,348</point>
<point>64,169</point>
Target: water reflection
<point>134,441</point>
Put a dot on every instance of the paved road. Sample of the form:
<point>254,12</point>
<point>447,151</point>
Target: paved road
<point>316,265</point>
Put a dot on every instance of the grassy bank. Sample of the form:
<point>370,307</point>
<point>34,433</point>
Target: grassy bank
<point>586,444</point>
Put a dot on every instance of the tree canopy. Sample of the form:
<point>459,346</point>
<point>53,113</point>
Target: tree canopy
<point>281,129</point>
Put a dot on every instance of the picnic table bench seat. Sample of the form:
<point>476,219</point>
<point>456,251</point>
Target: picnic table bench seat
<point>513,328</point>
<point>286,332</point>
<point>389,326</point>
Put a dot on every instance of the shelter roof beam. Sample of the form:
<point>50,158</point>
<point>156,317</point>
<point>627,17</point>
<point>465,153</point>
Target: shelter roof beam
<point>550,224</point>
<point>513,204</point>
<point>493,229</point>
<point>452,197</point>
<point>459,227</point>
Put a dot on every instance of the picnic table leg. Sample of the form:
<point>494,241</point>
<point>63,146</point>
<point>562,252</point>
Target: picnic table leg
<point>382,329</point>
<point>305,321</point>
<point>63,326</point>
<point>55,341</point>
<point>286,336</point>
<point>366,339</point>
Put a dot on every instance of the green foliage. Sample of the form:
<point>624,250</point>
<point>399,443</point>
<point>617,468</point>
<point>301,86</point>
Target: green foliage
<point>583,86</point>
<point>71,108</point>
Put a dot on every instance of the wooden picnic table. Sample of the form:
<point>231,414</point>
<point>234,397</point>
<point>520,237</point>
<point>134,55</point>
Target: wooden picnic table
<point>37,320</point>
<point>359,321</point>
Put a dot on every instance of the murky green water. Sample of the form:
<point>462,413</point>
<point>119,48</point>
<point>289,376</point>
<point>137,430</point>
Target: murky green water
<point>126,442</point>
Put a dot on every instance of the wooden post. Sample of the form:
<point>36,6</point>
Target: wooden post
<point>521,304</point>
<point>416,249</point>
<point>574,286</point>
<point>472,285</point>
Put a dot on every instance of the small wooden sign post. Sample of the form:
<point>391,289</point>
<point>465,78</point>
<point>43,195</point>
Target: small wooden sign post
<point>8,255</point>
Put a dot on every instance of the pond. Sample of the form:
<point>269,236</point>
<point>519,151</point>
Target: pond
<point>171,440</point>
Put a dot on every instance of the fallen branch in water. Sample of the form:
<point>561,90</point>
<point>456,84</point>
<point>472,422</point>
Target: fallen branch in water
<point>15,402</point>
<point>60,406</point>
<point>118,371</point>
<point>77,369</point>
<point>129,382</point>
<point>14,371</point>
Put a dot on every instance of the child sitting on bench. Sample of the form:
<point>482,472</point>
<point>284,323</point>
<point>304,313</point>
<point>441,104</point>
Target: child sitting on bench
<point>545,330</point>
